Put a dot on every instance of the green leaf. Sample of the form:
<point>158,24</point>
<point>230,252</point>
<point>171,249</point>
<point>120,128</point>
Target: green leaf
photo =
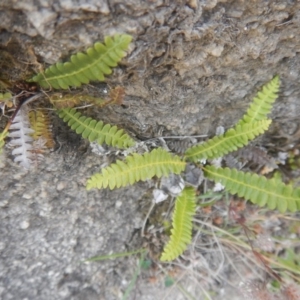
<point>230,141</point>
<point>137,167</point>
<point>85,67</point>
<point>95,130</point>
<point>181,233</point>
<point>258,189</point>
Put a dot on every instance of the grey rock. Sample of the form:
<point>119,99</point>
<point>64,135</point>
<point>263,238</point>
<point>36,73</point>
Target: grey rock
<point>192,66</point>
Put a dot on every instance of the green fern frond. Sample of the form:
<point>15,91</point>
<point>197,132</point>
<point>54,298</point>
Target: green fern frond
<point>84,68</point>
<point>95,131</point>
<point>258,189</point>
<point>137,167</point>
<point>262,104</point>
<point>231,140</point>
<point>181,233</point>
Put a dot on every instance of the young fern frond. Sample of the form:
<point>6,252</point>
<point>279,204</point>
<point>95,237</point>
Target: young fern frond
<point>262,104</point>
<point>61,100</point>
<point>231,140</point>
<point>86,67</point>
<point>137,167</point>
<point>95,131</point>
<point>181,233</point>
<point>40,123</point>
<point>258,189</point>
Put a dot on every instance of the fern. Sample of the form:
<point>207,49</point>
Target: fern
<point>181,233</point>
<point>257,189</point>
<point>262,103</point>
<point>39,122</point>
<point>137,167</point>
<point>20,132</point>
<point>95,131</point>
<point>231,140</point>
<point>84,68</point>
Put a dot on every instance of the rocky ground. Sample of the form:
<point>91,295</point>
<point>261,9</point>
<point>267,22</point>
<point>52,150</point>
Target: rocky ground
<point>192,66</point>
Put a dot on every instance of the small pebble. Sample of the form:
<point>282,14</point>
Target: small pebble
<point>4,203</point>
<point>24,225</point>
<point>2,246</point>
<point>61,185</point>
<point>118,204</point>
<point>44,194</point>
<point>27,196</point>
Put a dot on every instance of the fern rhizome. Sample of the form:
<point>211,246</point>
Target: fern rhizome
<point>25,127</point>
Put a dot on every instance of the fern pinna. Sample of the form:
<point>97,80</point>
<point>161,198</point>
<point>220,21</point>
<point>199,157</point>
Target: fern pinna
<point>181,232</point>
<point>85,67</point>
